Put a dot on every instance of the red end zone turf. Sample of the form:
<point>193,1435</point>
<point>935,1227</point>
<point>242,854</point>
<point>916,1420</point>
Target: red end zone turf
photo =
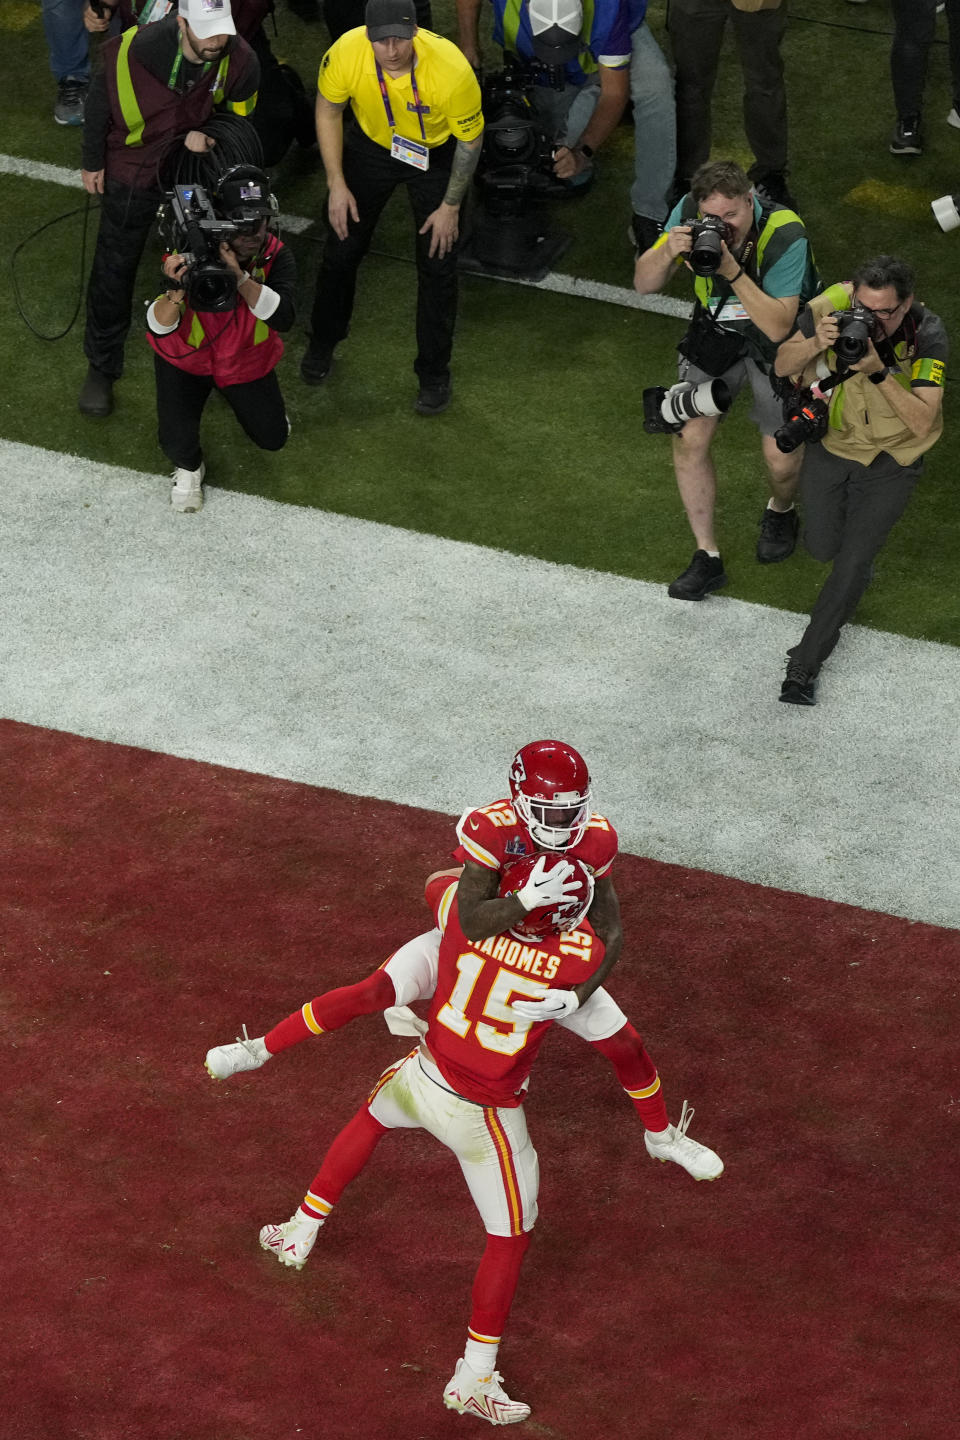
<point>153,905</point>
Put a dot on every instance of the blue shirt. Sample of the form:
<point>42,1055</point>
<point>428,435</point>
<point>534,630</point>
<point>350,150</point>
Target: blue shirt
<point>608,27</point>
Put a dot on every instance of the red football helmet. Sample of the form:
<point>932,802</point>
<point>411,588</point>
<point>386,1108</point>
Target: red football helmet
<point>550,787</point>
<point>548,919</point>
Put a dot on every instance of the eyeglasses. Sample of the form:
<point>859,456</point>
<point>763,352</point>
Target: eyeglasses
<point>881,314</point>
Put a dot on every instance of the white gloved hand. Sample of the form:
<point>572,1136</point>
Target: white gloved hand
<point>401,1020</point>
<point>548,888</point>
<point>555,1006</point>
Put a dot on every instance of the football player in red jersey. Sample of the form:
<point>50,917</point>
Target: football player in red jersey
<point>466,1081</point>
<point>549,811</point>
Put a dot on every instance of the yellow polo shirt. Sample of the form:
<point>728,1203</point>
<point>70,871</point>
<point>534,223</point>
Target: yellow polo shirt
<point>448,89</point>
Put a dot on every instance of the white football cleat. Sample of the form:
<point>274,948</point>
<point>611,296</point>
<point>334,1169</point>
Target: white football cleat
<point>292,1241</point>
<point>186,495</point>
<point>226,1060</point>
<point>695,1158</point>
<point>472,1394</point>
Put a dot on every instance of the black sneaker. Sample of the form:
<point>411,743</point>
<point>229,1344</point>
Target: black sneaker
<point>644,233</point>
<point>703,574</point>
<point>773,185</point>
<point>434,397</point>
<point>96,395</point>
<point>778,535</point>
<point>798,687</point>
<point>906,138</point>
<point>316,364</point>
<point>71,99</point>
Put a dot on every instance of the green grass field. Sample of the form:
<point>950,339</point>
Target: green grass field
<point>543,451</point>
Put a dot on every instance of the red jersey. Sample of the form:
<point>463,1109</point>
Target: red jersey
<point>483,1049</point>
<point>495,835</point>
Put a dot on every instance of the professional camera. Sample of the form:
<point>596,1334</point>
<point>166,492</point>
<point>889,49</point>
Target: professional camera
<point>804,419</point>
<point>707,235</point>
<point>857,327</point>
<point>946,211</point>
<point>512,135</point>
<point>665,412</point>
<point>194,223</point>
<point>510,235</point>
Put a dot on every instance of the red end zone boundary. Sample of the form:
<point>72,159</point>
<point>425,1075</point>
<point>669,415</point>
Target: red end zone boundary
<point>153,905</point>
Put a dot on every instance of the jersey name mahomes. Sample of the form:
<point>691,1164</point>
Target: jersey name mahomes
<point>577,944</point>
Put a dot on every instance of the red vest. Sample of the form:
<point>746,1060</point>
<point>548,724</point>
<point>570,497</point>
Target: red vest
<point>146,114</point>
<point>232,347</point>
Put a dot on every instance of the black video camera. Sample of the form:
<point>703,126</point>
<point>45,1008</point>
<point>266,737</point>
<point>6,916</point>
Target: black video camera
<point>707,236</point>
<point>665,412</point>
<point>516,160</point>
<point>804,419</point>
<point>195,231</point>
<point>857,327</point>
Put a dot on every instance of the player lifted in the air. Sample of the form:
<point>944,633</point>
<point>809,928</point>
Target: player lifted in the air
<point>466,1081</point>
<point>549,812</point>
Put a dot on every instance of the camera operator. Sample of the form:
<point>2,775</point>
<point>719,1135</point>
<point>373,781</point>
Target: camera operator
<point>749,287</point>
<point>236,350</point>
<point>578,63</point>
<point>156,88</point>
<point>883,415</point>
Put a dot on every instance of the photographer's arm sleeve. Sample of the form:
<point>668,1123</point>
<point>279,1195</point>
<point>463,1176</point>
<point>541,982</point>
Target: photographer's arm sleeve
<point>96,122</point>
<point>241,96</point>
<point>276,303</point>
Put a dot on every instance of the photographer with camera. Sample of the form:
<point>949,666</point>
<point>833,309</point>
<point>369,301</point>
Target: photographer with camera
<point>753,268</point>
<point>156,89</point>
<point>578,65</point>
<point>218,324</point>
<point>878,359</point>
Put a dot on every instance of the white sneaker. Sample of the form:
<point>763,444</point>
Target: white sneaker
<point>226,1060</point>
<point>695,1158</point>
<point>187,493</point>
<point>472,1394</point>
<point>292,1241</point>
<point>954,118</point>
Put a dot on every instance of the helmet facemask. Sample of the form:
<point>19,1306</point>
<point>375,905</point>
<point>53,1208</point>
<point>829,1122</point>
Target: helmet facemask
<point>555,824</point>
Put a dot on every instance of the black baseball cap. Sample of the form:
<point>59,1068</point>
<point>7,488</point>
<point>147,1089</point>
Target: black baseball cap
<point>385,19</point>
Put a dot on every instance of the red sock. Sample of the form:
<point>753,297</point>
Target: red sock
<point>347,1156</point>
<point>637,1074</point>
<point>330,1011</point>
<point>495,1284</point>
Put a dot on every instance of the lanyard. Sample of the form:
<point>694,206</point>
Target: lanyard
<point>178,61</point>
<point>416,98</point>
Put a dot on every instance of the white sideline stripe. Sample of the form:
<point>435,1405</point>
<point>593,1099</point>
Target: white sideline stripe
<point>376,661</point>
<point>297,224</point>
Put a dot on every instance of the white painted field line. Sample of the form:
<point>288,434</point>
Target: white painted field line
<point>559,284</point>
<point>348,654</point>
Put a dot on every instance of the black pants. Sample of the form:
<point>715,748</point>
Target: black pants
<point>696,34</point>
<point>915,24</point>
<point>849,510</point>
<point>372,175</point>
<point>258,405</point>
<point>126,218</point>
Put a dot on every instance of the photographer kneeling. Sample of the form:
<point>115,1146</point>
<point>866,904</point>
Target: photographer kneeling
<point>217,327</point>
<point>753,270</point>
<point>875,360</point>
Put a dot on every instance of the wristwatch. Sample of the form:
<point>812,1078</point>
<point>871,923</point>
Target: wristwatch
<point>587,151</point>
<point>880,376</point>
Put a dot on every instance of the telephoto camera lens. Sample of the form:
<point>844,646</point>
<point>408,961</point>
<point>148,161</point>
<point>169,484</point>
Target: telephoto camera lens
<point>686,401</point>
<point>665,412</point>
